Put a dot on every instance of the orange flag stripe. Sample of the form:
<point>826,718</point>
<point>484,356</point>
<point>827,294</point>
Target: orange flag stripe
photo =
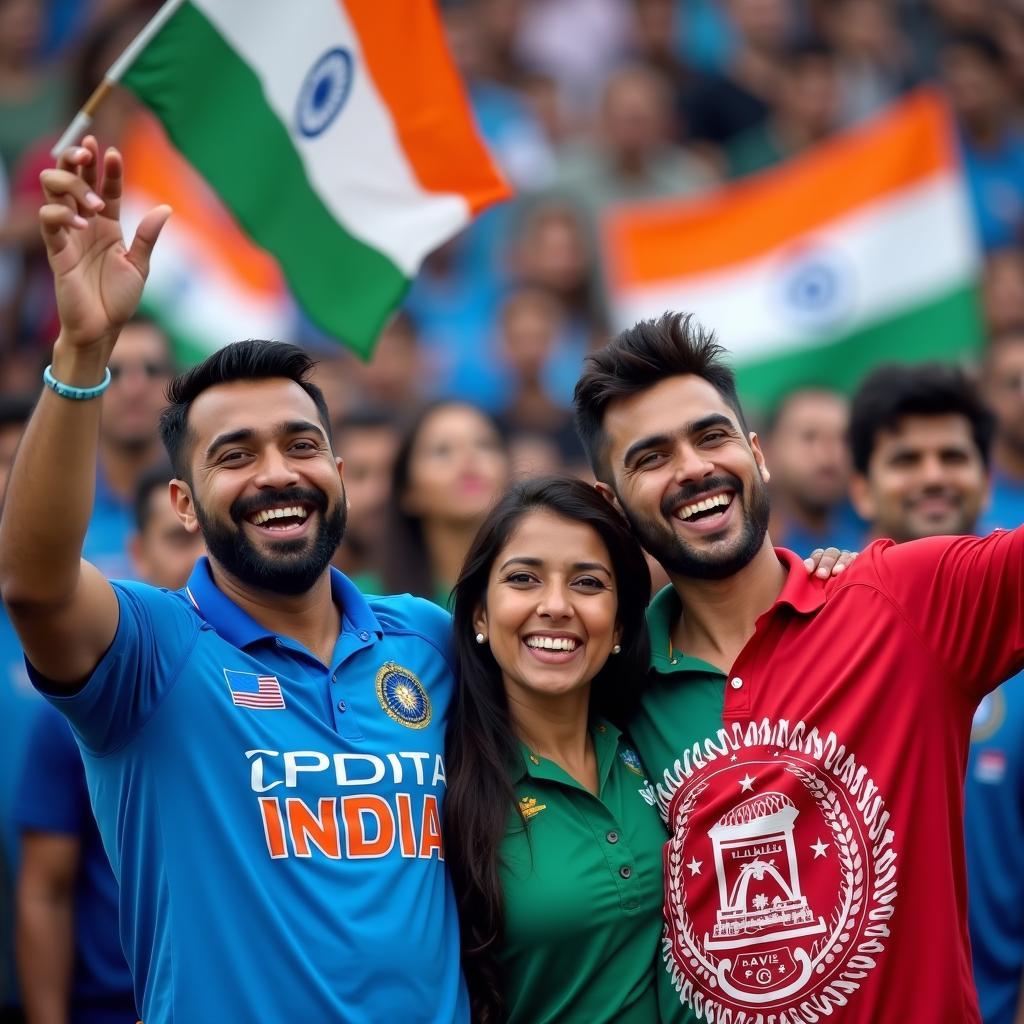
<point>663,240</point>
<point>406,54</point>
<point>157,169</point>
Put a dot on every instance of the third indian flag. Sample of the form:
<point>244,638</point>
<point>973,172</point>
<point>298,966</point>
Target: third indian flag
<point>860,251</point>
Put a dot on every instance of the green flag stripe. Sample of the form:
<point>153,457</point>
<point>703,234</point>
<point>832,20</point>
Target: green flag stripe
<point>946,328</point>
<point>221,122</point>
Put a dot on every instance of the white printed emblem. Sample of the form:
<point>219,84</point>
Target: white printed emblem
<point>780,874</point>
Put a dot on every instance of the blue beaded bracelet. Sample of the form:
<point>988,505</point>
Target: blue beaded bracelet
<point>70,391</point>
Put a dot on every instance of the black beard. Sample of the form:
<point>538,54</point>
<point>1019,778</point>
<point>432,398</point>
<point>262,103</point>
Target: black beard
<point>296,564</point>
<point>679,559</point>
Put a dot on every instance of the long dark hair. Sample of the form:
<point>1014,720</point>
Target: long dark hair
<point>405,560</point>
<point>481,744</point>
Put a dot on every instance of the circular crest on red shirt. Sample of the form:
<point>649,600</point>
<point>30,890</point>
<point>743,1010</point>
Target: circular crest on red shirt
<point>779,889</point>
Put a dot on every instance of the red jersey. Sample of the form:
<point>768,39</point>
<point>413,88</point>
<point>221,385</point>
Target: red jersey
<point>815,794</point>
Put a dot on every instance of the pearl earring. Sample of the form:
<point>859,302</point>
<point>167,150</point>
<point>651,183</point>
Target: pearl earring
<point>480,638</point>
<point>617,649</point>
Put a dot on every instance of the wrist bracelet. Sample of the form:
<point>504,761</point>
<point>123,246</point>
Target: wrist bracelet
<point>70,391</point>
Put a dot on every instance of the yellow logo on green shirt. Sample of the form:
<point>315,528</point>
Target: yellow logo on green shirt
<point>528,807</point>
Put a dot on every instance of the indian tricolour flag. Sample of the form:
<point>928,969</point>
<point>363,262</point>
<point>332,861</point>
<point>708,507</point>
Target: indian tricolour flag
<point>860,251</point>
<point>337,132</point>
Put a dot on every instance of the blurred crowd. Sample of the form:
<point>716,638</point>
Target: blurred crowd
<point>584,103</point>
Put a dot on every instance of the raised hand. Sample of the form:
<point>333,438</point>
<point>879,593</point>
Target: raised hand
<point>98,281</point>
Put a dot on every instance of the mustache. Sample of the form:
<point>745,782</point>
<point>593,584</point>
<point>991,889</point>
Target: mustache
<point>245,507</point>
<point>690,493</point>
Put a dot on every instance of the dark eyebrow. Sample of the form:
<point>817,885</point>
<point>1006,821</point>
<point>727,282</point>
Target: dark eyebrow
<point>536,562</point>
<point>715,419</point>
<point>247,433</point>
<point>232,437</point>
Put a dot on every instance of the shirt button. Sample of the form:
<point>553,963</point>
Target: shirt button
<point>363,635</point>
<point>334,677</point>
<point>626,871</point>
<point>612,837</point>
<point>342,706</point>
<point>736,683</point>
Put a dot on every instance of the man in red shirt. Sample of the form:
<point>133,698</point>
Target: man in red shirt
<point>805,738</point>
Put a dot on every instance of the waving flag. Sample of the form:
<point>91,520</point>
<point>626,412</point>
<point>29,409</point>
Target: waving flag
<point>861,250</point>
<point>337,132</point>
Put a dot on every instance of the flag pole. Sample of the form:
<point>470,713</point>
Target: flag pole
<point>83,119</point>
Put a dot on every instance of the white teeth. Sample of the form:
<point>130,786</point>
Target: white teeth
<point>703,506</point>
<point>552,643</point>
<point>278,513</point>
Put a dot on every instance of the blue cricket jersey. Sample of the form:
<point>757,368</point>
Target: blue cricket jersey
<point>994,837</point>
<point>53,798</point>
<point>275,823</point>
<point>19,704</point>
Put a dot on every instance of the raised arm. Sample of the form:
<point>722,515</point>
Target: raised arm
<point>65,612</point>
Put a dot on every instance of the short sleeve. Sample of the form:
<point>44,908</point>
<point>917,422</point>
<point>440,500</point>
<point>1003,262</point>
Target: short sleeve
<point>52,795</point>
<point>964,596</point>
<point>156,631</point>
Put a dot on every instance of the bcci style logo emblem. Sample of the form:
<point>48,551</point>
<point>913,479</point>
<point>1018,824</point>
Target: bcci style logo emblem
<point>324,92</point>
<point>775,873</point>
<point>402,696</point>
<point>632,762</point>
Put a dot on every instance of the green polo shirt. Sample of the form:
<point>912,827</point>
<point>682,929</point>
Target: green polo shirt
<point>682,704</point>
<point>583,892</point>
<point>684,697</point>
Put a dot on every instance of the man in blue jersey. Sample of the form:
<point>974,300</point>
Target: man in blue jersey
<point>921,439</point>
<point>264,748</point>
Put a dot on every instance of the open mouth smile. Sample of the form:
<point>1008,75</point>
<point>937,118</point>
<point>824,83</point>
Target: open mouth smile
<point>280,519</point>
<point>551,649</point>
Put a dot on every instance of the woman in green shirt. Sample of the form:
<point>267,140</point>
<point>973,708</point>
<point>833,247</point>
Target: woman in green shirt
<point>551,832</point>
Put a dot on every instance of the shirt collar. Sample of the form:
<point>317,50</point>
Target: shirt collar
<point>241,629</point>
<point>804,593</point>
<point>606,738</point>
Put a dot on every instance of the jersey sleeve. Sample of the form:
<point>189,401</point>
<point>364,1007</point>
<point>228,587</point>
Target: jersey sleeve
<point>156,631</point>
<point>52,794</point>
<point>964,596</point>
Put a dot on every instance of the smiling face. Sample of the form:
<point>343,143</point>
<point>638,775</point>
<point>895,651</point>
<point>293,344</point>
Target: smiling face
<point>265,487</point>
<point>688,479</point>
<point>926,478</point>
<point>550,608</point>
<point>457,466</point>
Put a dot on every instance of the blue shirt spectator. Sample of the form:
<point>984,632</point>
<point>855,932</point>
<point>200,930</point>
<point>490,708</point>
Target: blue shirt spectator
<point>1006,505</point>
<point>53,800</point>
<point>19,704</point>
<point>284,812</point>
<point>994,800</point>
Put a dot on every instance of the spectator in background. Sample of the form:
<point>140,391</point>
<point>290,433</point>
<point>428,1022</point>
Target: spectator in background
<point>70,961</point>
<point>531,329</point>
<point>1003,377</point>
<point>396,376</point>
<point>739,98</point>
<point>974,72</point>
<point>451,467</point>
<point>632,156</point>
<point>807,110</point>
<point>14,413</point>
<point>920,438</point>
<point>551,250</point>
<point>19,704</point>
<point>806,447</point>
<point>367,440</point>
<point>140,370</point>
<point>33,98</point>
<point>873,59</point>
<point>1002,290</point>
<point>533,453</point>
